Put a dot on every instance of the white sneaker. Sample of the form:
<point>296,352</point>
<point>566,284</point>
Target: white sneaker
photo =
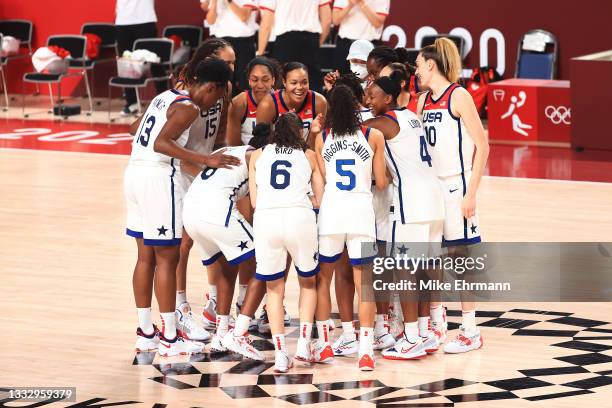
<point>396,321</point>
<point>147,342</point>
<point>216,345</point>
<point>241,345</point>
<point>209,314</point>
<point>187,326</point>
<point>178,345</point>
<point>304,350</point>
<point>287,318</point>
<point>405,350</point>
<point>323,353</point>
<point>463,344</point>
<point>282,362</point>
<point>129,110</point>
<point>430,342</point>
<point>383,341</point>
<point>331,325</point>
<point>345,346</point>
<point>263,323</point>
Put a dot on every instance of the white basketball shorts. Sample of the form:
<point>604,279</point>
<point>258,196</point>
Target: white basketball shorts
<point>457,229</point>
<point>154,200</point>
<point>285,231</point>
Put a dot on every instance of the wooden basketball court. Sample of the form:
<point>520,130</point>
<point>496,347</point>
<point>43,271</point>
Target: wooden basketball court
<point>68,314</point>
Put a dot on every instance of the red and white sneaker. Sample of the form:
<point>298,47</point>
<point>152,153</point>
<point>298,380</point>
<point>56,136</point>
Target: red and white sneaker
<point>282,362</point>
<point>463,343</point>
<point>187,326</point>
<point>323,353</point>
<point>304,350</point>
<point>366,362</point>
<point>147,342</point>
<point>178,345</point>
<point>405,350</point>
<point>439,329</point>
<point>430,342</point>
<point>216,344</point>
<point>209,314</point>
<point>241,345</point>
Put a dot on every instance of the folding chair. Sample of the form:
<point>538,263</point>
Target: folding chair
<point>538,51</point>
<point>76,45</point>
<point>163,47</point>
<point>108,35</point>
<point>22,30</point>
<point>191,35</point>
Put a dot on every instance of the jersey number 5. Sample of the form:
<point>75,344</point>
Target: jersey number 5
<point>146,129</point>
<point>279,176</point>
<point>342,172</point>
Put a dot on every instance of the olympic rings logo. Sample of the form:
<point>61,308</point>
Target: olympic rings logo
<point>559,115</point>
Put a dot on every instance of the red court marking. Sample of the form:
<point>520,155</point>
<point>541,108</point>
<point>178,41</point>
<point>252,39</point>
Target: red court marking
<point>65,136</point>
<point>504,160</point>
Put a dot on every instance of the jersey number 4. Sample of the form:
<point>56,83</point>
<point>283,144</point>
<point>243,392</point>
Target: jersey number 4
<point>424,153</point>
<point>279,175</point>
<point>343,172</point>
<point>149,122</point>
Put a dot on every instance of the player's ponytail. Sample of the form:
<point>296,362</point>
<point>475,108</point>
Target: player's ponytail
<point>445,54</point>
<point>343,114</point>
<point>288,132</point>
<point>261,135</point>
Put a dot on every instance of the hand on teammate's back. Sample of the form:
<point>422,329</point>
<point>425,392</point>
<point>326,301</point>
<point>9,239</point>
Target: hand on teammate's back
<point>220,160</point>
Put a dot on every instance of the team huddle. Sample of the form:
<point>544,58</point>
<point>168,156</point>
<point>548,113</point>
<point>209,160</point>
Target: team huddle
<point>319,184</point>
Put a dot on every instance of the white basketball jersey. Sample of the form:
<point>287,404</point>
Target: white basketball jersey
<point>450,145</point>
<point>215,191</point>
<point>365,114</point>
<point>283,178</point>
<point>204,130</point>
<point>347,206</point>
<point>152,122</point>
<point>417,192</point>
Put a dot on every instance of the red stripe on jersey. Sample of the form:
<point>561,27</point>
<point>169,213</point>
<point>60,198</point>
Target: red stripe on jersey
<point>325,4</point>
<point>266,8</point>
<point>251,105</point>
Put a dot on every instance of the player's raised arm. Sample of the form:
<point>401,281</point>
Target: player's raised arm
<point>317,182</point>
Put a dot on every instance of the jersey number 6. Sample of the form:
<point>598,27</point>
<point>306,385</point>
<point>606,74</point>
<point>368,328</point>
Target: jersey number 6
<point>342,172</point>
<point>279,176</point>
<point>146,129</point>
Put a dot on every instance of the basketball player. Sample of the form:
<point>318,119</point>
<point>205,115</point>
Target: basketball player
<point>203,134</point>
<point>453,131</point>
<point>154,198</point>
<point>348,154</point>
<point>224,236</point>
<point>281,177</point>
<point>262,74</point>
<point>400,73</point>
<point>418,206</point>
<point>379,58</point>
<point>295,97</point>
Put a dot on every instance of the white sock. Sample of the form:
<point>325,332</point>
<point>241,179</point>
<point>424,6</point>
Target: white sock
<point>366,340</point>
<point>436,314</point>
<point>323,330</point>
<point>348,330</point>
<point>241,294</point>
<point>212,292</point>
<point>469,322</point>
<point>279,342</point>
<point>379,324</point>
<point>411,330</point>
<point>168,325</point>
<point>181,297</point>
<point>423,326</point>
<point>222,324</point>
<point>242,325</point>
<point>305,330</point>
<point>144,320</point>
